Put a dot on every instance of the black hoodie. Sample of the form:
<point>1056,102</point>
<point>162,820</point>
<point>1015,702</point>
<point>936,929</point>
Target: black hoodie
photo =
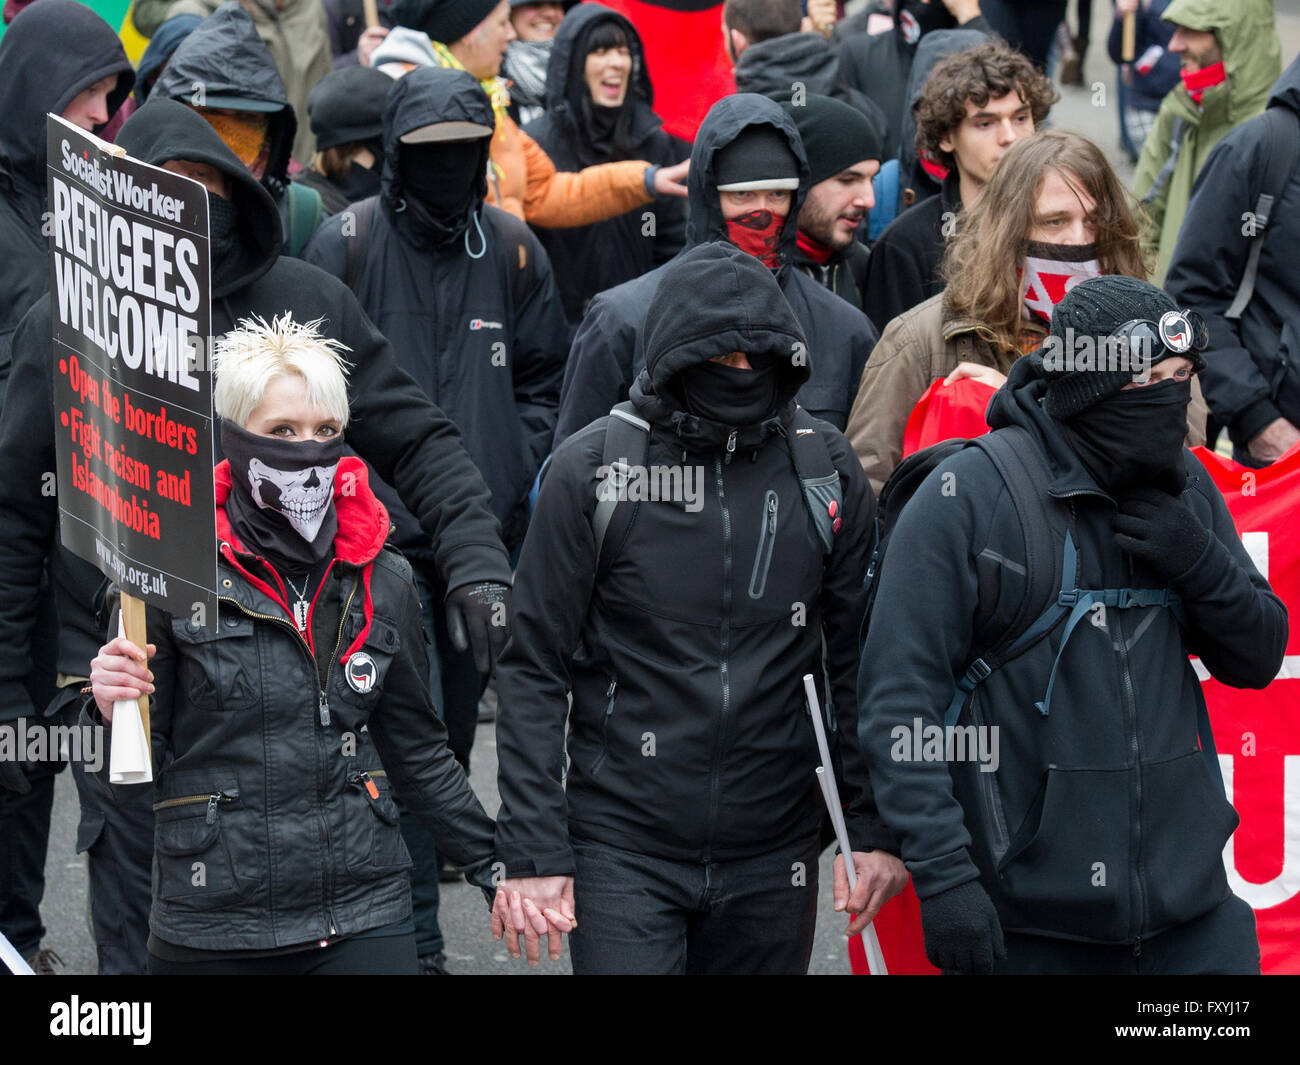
<point>1113,773</point>
<point>393,426</point>
<point>1253,372</point>
<point>687,640</point>
<point>51,52</point>
<point>589,259</point>
<point>445,296</point>
<point>609,348</point>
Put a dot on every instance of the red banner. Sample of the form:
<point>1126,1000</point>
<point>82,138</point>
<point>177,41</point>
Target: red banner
<point>1257,733</point>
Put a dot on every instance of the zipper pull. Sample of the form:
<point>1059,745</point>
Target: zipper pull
<point>211,816</point>
<point>771,514</point>
<point>731,441</point>
<point>324,710</point>
<point>1137,947</point>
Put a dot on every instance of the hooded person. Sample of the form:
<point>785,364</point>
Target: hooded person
<point>880,65</point>
<point>682,617</point>
<point>161,46</point>
<point>393,425</point>
<point>597,51</point>
<point>472,35</point>
<point>347,117</point>
<point>241,94</point>
<point>1230,61</point>
<point>748,145</point>
<point>60,57</point>
<point>1032,863</point>
<point>296,34</point>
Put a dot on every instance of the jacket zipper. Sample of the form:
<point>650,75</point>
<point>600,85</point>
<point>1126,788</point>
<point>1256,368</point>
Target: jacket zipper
<point>1130,712</point>
<point>213,800</point>
<point>724,647</point>
<point>766,545</point>
<point>610,693</point>
<point>988,787</point>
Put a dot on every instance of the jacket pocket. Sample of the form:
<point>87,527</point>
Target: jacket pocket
<point>373,839</point>
<point>219,669</point>
<point>766,544</point>
<point>611,694</point>
<point>1067,868</point>
<point>1186,822</point>
<point>192,856</point>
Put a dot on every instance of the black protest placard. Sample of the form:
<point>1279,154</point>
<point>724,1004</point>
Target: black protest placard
<point>131,311</point>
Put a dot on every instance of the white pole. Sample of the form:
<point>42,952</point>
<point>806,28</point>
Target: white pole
<point>12,959</point>
<point>826,779</point>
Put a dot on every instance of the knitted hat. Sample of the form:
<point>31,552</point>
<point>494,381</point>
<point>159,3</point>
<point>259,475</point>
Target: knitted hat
<point>348,105</point>
<point>835,135</point>
<point>1092,312</point>
<point>444,21</point>
<point>759,158</point>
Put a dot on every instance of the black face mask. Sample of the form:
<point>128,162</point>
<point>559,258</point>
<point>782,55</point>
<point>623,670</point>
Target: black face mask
<point>729,396</point>
<point>1135,437</point>
<point>281,493</point>
<point>444,177</point>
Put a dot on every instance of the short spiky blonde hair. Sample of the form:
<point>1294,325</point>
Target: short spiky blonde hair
<point>254,354</point>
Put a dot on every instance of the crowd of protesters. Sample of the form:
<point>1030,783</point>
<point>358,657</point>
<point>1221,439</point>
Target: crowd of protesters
<point>458,262</point>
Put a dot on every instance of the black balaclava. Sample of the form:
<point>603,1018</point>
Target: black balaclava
<point>727,395</point>
<point>442,177</point>
<point>293,533</point>
<point>232,255</point>
<point>1135,437</point>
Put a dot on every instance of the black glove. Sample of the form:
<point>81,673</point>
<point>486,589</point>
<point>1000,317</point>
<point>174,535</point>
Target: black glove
<point>962,930</point>
<point>1160,530</point>
<point>479,615</point>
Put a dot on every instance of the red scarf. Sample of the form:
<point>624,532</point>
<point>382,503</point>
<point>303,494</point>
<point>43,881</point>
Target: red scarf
<point>813,248</point>
<point>1197,81</point>
<point>759,234</point>
<point>936,170</point>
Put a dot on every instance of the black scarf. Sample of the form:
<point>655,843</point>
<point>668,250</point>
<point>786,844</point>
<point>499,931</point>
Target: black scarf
<point>1135,437</point>
<point>727,395</point>
<point>602,124</point>
<point>264,527</point>
<point>231,258</point>
<point>442,183</point>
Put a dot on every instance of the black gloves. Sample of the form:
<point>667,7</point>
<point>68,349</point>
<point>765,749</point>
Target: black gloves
<point>479,615</point>
<point>1160,530</point>
<point>962,930</point>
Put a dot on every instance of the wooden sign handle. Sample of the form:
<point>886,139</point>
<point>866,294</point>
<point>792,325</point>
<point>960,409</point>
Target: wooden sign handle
<point>1128,43</point>
<point>137,632</point>
<point>371,8</point>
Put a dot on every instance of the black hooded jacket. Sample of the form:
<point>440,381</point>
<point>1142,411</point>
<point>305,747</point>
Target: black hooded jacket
<point>880,67</point>
<point>688,737</point>
<point>227,61</point>
<point>393,426</point>
<point>589,259</point>
<point>609,348</point>
<point>445,298</point>
<point>1253,372</point>
<point>1113,773</point>
<point>52,52</point>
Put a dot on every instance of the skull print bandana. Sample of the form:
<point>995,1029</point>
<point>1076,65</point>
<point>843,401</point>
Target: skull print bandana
<point>281,503</point>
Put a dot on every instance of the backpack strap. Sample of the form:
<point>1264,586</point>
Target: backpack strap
<point>363,214</point>
<point>627,440</point>
<point>819,480</point>
<point>1282,144</point>
<point>1177,132</point>
<point>305,210</point>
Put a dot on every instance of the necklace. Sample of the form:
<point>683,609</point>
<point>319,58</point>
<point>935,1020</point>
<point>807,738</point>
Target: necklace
<point>300,607</point>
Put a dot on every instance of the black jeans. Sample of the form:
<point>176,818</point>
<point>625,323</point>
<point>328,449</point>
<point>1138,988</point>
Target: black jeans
<point>372,956</point>
<point>638,914</point>
<point>1223,941</point>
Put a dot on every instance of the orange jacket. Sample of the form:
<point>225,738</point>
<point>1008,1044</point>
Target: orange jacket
<point>525,182</point>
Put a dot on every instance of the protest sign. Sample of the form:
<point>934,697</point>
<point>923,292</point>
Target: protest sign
<point>132,388</point>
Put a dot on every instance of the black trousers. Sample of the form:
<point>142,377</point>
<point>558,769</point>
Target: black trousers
<point>638,914</point>
<point>1221,941</point>
<point>377,956</point>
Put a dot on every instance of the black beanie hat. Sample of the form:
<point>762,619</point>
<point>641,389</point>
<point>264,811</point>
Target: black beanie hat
<point>444,21</point>
<point>759,158</point>
<point>835,135</point>
<point>348,105</point>
<point>1096,308</point>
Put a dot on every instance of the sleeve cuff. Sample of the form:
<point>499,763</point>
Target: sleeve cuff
<point>474,563</point>
<point>649,178</point>
<point>934,875</point>
<point>1250,422</point>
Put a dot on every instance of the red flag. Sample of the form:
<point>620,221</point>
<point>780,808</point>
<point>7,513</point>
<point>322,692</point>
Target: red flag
<point>946,412</point>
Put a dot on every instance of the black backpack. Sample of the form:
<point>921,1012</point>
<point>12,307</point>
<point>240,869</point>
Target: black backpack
<point>1052,595</point>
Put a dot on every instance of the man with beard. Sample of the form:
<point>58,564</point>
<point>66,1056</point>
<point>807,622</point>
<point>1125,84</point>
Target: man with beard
<point>686,830</point>
<point>1094,844</point>
<point>57,57</point>
<point>748,176</point>
<point>393,426</point>
<point>844,151</point>
<point>465,294</point>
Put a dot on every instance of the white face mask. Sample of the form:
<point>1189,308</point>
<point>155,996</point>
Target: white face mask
<point>302,496</point>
